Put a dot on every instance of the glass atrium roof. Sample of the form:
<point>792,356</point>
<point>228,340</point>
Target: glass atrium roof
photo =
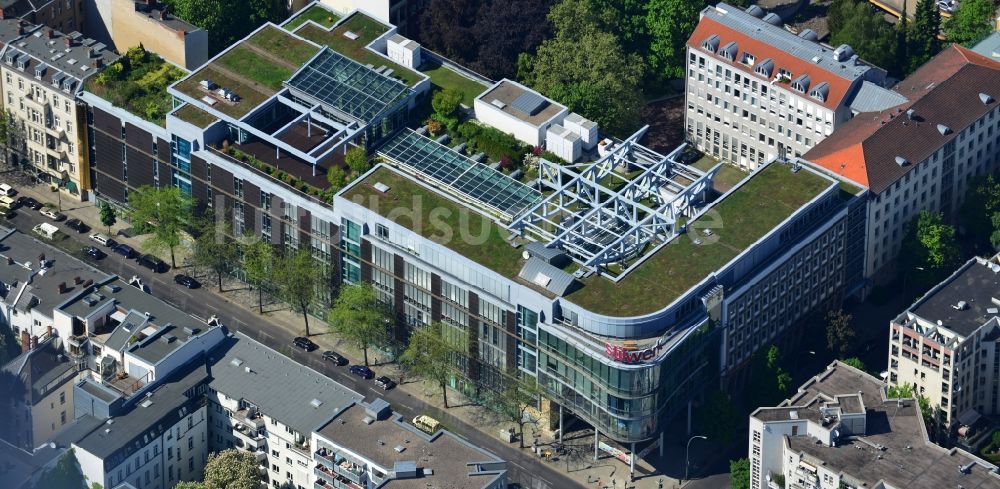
<point>461,175</point>
<point>347,86</point>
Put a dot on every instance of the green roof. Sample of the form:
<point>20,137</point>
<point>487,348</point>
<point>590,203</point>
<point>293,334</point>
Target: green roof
<point>282,46</point>
<point>317,14</point>
<point>194,115</point>
<point>444,77</point>
<point>367,30</point>
<point>740,219</point>
<point>492,251</point>
<point>138,84</point>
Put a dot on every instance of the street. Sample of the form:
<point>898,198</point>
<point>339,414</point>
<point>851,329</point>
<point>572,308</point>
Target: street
<point>523,469</point>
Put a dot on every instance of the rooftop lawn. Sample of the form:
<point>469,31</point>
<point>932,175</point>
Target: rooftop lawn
<point>367,30</point>
<point>250,95</point>
<point>249,64</point>
<point>316,14</point>
<point>745,216</point>
<point>138,83</point>
<point>705,163</point>
<point>444,77</point>
<point>196,116</point>
<point>406,195</point>
<point>283,45</point>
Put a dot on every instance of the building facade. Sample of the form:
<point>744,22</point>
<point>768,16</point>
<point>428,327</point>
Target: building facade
<point>755,91</point>
<point>48,376</point>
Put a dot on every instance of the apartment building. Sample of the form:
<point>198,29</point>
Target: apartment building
<point>41,72</point>
<point>945,345</point>
<point>48,376</point>
<point>921,154</point>
<point>840,430</point>
<point>756,91</point>
<point>63,15</point>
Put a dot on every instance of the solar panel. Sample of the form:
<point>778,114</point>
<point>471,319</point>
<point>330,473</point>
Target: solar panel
<point>459,173</point>
<point>530,103</point>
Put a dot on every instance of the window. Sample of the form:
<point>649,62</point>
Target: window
<point>62,398</point>
<point>191,464</point>
<point>382,231</point>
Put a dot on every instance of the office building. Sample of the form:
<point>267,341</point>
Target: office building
<point>945,345</point>
<point>922,153</point>
<point>756,91</point>
<point>840,430</point>
<point>46,406</point>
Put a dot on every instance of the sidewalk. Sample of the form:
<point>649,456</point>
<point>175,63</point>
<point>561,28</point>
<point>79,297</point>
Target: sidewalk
<point>576,461</point>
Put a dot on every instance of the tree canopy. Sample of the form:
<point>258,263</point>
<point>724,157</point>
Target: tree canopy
<point>428,355</point>
<point>839,332</point>
<point>297,275</point>
<point>215,250</point>
<point>670,23</point>
<point>164,212</point>
<point>739,473</point>
<point>359,317</point>
<point>972,22</point>
<point>232,469</point>
<point>258,264</point>
<point>228,21</point>
<point>861,26</point>
<point>922,36</point>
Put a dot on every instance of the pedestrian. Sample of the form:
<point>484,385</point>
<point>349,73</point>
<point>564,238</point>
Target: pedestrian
<point>376,361</point>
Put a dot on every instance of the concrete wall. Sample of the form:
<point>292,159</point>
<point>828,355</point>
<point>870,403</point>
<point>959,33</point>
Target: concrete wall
<point>523,131</point>
<point>129,28</point>
<point>378,9</point>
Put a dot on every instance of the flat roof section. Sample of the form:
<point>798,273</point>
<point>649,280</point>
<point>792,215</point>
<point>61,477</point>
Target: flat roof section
<point>744,216</point>
<point>494,252</point>
<point>976,285</point>
<point>520,102</point>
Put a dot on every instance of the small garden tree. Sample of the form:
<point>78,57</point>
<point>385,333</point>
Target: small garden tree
<point>358,316</point>
<point>109,217</point>
<point>839,332</point>
<point>232,469</point>
<point>516,401</point>
<point>337,178</point>
<point>429,355</point>
<point>357,160</point>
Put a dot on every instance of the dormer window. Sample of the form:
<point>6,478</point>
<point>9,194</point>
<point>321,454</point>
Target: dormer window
<point>784,76</point>
<point>801,83</point>
<point>22,62</point>
<point>748,59</point>
<point>711,44</point>
<point>9,58</point>
<point>764,68</point>
<point>40,71</point>
<point>729,51</point>
<point>820,92</point>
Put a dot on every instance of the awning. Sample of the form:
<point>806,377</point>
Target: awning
<point>71,185</point>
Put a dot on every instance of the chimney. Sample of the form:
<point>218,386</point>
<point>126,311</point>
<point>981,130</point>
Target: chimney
<point>69,41</point>
<point>48,330</point>
<point>49,33</point>
<point>77,280</point>
<point>62,287</point>
<point>25,341</point>
<point>163,13</point>
<point>34,342</point>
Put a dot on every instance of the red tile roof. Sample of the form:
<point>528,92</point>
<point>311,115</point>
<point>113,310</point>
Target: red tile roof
<point>944,91</point>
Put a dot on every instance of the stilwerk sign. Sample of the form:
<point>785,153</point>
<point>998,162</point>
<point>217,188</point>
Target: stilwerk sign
<point>625,355</point>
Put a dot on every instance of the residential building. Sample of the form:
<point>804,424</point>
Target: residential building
<point>921,154</point>
<point>23,468</point>
<point>947,344</point>
<point>66,16</point>
<point>368,445</point>
<point>41,73</point>
<point>123,24</point>
<point>48,376</point>
<point>516,109</point>
<point>262,401</point>
<point>756,91</point>
<point>841,430</point>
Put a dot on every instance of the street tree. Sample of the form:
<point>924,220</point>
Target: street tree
<point>109,217</point>
<point>228,21</point>
<point>864,29</point>
<point>769,381</point>
<point>855,362</point>
<point>718,418</point>
<point>839,332</point>
<point>517,400</point>
<point>215,250</point>
<point>297,275</point>
<point>357,160</point>
<point>739,473</point>
<point>670,23</point>
<point>981,202</point>
<point>164,212</point>
<point>232,469</point>
<point>446,26</point>
<point>922,36</point>
<point>931,242</point>
<point>971,23</point>
<point>258,265</point>
<point>358,316</point>
<point>428,355</point>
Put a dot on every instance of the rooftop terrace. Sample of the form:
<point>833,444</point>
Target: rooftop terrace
<point>138,83</point>
<point>317,13</point>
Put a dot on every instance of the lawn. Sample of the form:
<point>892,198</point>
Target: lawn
<point>141,89</point>
<point>454,225</point>
<point>283,45</point>
<point>444,77</point>
<point>250,96</point>
<point>367,30</point>
<point>316,14</point>
<point>748,214</point>
<point>246,62</point>
<point>196,116</point>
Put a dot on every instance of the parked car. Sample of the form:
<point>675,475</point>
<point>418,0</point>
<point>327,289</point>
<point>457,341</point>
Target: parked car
<point>7,190</point>
<point>94,252</point>
<point>103,239</point>
<point>77,225</point>
<point>304,343</point>
<point>385,383</point>
<point>336,358</point>
<point>9,214</point>
<point>52,214</point>
<point>153,263</point>
<point>32,203</point>
<point>46,230</point>
<point>187,281</point>
<point>426,423</point>
<point>7,202</point>
<point>362,371</point>
<point>124,250</point>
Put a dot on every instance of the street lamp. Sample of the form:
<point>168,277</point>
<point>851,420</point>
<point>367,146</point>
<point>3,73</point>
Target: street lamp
<point>687,451</point>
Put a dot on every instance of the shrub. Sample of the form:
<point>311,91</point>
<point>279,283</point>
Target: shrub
<point>433,127</point>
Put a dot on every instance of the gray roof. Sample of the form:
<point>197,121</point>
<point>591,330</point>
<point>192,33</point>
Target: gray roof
<point>279,386</point>
<point>539,273</point>
<point>976,285</point>
<point>873,98</point>
<point>989,47</point>
<point>63,54</point>
<point>98,390</point>
<point>550,255</point>
<point>77,430</point>
<point>43,368</point>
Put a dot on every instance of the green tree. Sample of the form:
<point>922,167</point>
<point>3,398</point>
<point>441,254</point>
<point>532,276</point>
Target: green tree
<point>258,265</point>
<point>718,418</point>
<point>839,332</point>
<point>228,21</point>
<point>189,485</point>
<point>922,37</point>
<point>516,401</point>
<point>358,316</point>
<point>739,473</point>
<point>855,362</point>
<point>337,178</point>
<point>232,469</point>
<point>670,23</point>
<point>215,250</point>
<point>864,29</point>
<point>971,23</point>
<point>981,202</point>
<point>428,355</point>
<point>66,474</point>
<point>445,104</point>
<point>297,275</point>
<point>109,217</point>
<point>769,381</point>
<point>164,211</point>
<point>357,160</point>
<point>995,233</point>
<point>932,242</point>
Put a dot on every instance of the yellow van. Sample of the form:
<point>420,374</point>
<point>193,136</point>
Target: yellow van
<point>426,424</point>
<point>6,202</point>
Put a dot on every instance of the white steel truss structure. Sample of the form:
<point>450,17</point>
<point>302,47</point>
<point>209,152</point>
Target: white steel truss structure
<point>617,210</point>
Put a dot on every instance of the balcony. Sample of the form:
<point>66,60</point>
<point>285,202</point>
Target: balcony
<point>327,479</point>
<point>251,438</point>
<point>250,417</point>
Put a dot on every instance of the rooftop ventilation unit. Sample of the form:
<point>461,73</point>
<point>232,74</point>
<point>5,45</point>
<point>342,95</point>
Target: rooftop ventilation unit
<point>773,19</point>
<point>315,403</point>
<point>755,11</point>
<point>961,306</point>
<point>809,35</point>
<point>986,99</point>
<point>943,129</point>
<point>901,161</point>
<point>498,104</point>
<point>843,52</point>
<point>911,114</point>
<point>381,187</point>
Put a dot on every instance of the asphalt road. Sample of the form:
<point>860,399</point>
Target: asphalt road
<point>523,469</point>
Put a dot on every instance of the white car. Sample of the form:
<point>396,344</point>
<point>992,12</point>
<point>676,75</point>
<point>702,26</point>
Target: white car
<point>51,214</point>
<point>947,6</point>
<point>102,239</point>
<point>7,190</point>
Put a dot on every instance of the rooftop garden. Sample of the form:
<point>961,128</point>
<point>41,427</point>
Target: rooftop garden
<point>251,93</point>
<point>746,215</point>
<point>463,230</point>
<point>138,83</point>
<point>248,63</point>
<point>283,46</point>
<point>366,29</point>
<point>324,194</point>
<point>443,77</point>
<point>316,14</point>
<point>194,115</point>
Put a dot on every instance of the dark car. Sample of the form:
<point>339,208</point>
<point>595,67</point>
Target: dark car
<point>187,281</point>
<point>32,203</point>
<point>304,343</point>
<point>9,214</point>
<point>385,383</point>
<point>124,250</point>
<point>336,358</point>
<point>362,371</point>
<point>94,252</point>
<point>153,263</point>
<point>77,225</point>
